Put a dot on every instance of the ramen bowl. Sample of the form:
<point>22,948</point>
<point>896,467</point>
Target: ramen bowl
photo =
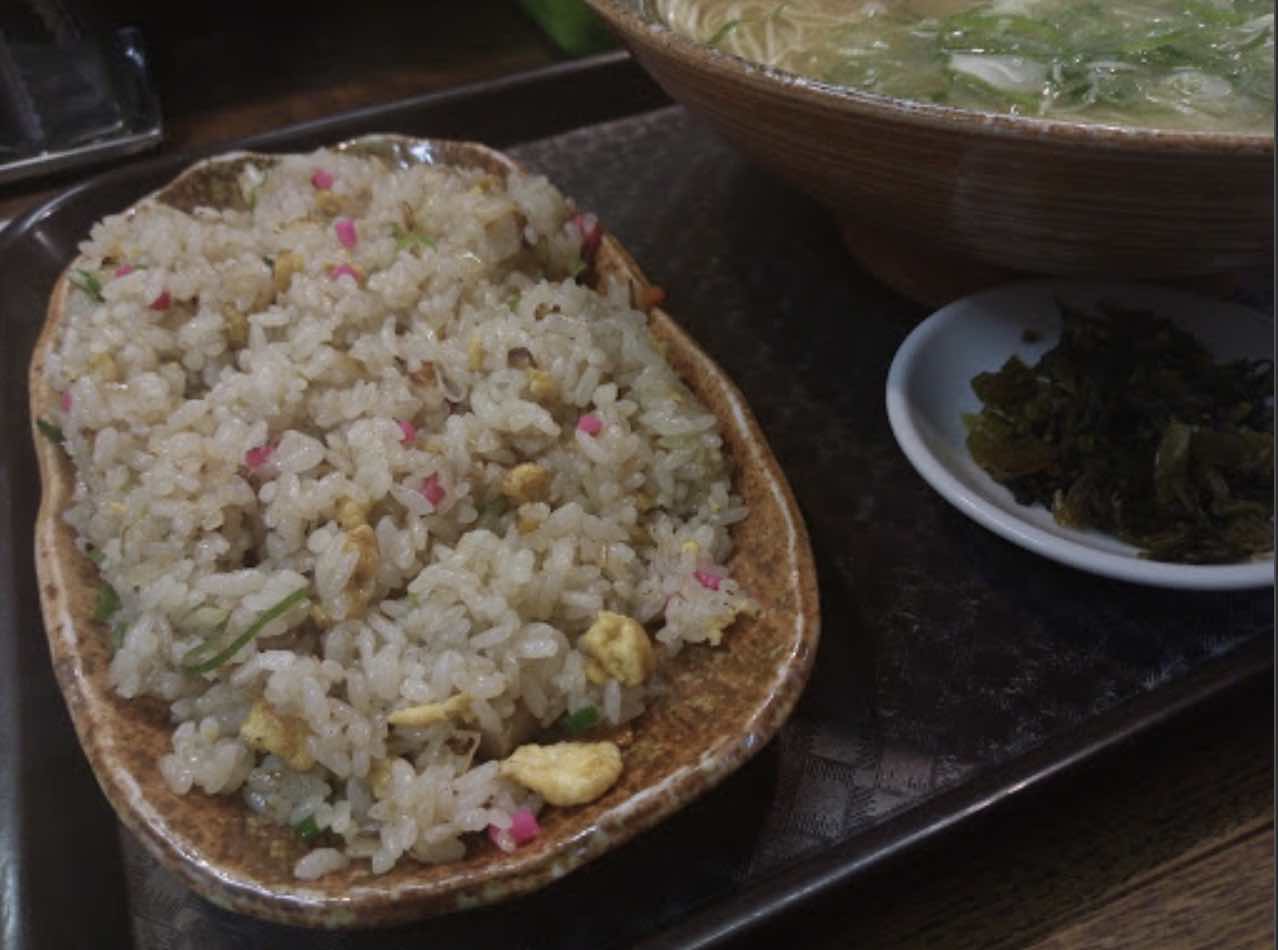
<point>940,201</point>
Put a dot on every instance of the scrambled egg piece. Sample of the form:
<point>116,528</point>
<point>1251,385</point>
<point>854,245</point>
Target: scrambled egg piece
<point>543,387</point>
<point>425,375</point>
<point>526,482</point>
<point>724,618</point>
<point>379,776</point>
<point>430,713</point>
<point>285,736</point>
<point>617,647</point>
<point>286,265</point>
<point>103,366</point>
<point>475,354</point>
<point>567,773</point>
<point>351,514</point>
<point>527,520</point>
<point>363,581</point>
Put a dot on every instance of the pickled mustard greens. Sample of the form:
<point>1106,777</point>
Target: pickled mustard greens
<point>1188,64</point>
<point>1128,426</point>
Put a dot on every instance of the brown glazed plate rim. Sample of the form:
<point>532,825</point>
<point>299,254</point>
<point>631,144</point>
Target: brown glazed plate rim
<point>734,699</point>
<point>645,30</point>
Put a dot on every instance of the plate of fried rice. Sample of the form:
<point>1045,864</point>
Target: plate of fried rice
<point>397,552</point>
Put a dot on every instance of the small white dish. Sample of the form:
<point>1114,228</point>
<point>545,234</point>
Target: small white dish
<point>929,390</point>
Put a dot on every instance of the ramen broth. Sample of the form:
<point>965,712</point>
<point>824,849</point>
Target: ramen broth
<point>1183,64</point>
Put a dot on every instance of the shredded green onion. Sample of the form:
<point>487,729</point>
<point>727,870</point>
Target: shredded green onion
<point>579,720</point>
<point>108,603</point>
<point>96,555</point>
<point>50,431</point>
<point>405,239</point>
<point>199,660</point>
<point>307,829</point>
<point>88,282</point>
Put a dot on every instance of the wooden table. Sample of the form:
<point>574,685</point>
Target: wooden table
<point>1169,844</point>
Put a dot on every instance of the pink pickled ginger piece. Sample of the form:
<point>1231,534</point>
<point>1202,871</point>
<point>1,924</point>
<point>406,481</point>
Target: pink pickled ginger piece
<point>523,826</point>
<point>502,838</point>
<point>432,490</point>
<point>256,457</point>
<point>321,179</point>
<point>591,234</point>
<point>345,229</point>
<point>590,424</point>
<point>707,579</point>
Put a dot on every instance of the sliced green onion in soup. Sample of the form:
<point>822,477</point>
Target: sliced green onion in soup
<point>721,33</point>
<point>211,654</point>
<point>1016,77</point>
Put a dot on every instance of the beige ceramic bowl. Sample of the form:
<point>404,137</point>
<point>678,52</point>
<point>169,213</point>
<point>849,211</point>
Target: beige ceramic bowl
<point>723,704</point>
<point>949,199</point>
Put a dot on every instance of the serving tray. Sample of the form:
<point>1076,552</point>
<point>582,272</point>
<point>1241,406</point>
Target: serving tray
<point>955,671</point>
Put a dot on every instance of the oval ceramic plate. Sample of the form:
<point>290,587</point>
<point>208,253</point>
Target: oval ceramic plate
<point>929,390</point>
<point>723,705</point>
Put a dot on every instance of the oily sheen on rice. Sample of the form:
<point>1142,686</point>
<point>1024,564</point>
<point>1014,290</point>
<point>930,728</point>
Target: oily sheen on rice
<point>327,391</point>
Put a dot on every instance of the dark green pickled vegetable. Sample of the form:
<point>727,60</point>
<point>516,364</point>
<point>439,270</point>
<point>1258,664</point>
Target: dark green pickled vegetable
<point>1128,426</point>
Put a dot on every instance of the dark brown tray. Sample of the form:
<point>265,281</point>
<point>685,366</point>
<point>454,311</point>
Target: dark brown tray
<point>956,672</point>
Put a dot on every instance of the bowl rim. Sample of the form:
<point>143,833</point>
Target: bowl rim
<point>625,17</point>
